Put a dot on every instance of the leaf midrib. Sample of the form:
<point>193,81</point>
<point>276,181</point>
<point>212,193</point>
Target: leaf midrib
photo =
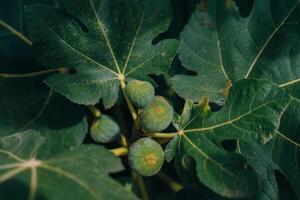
<point>135,38</point>
<point>253,63</point>
<point>82,54</point>
<point>105,37</point>
<point>229,121</point>
<point>288,139</point>
<point>270,38</point>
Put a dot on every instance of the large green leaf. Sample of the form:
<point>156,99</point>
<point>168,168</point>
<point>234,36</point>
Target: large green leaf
<point>28,103</point>
<point>281,153</point>
<point>222,47</point>
<point>252,111</point>
<point>78,174</point>
<point>104,41</point>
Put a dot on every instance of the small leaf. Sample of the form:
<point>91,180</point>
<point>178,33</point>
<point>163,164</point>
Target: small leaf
<point>74,174</point>
<point>222,47</point>
<point>93,38</point>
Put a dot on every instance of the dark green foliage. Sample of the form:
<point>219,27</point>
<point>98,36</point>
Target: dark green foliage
<point>230,68</point>
<point>74,174</point>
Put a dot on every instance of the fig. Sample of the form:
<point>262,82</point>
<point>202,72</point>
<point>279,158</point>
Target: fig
<point>146,157</point>
<point>105,129</point>
<point>140,92</point>
<point>157,115</point>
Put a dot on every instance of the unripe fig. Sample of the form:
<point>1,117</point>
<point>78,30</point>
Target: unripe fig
<point>105,129</point>
<point>140,92</point>
<point>157,115</point>
<point>146,156</point>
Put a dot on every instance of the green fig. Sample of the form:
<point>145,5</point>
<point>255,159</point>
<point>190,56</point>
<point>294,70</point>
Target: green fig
<point>146,157</point>
<point>157,115</point>
<point>105,129</point>
<point>140,92</point>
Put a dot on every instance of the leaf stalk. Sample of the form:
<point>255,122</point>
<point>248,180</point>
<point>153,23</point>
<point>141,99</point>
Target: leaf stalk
<point>15,32</point>
<point>138,179</point>
<point>173,185</point>
<point>38,73</point>
<point>120,151</point>
<point>129,103</point>
<point>162,135</point>
<point>95,111</point>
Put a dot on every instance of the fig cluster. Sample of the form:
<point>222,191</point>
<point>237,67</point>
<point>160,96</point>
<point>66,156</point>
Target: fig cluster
<point>156,112</point>
<point>146,156</point>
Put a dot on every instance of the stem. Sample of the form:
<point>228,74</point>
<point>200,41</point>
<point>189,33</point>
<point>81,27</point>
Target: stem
<point>130,105</point>
<point>163,141</point>
<point>95,111</point>
<point>238,146</point>
<point>31,74</point>
<point>123,141</point>
<point>15,32</point>
<point>120,151</point>
<point>140,183</point>
<point>173,185</point>
<point>162,135</point>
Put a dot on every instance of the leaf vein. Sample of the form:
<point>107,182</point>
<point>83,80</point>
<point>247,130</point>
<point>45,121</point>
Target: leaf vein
<point>270,38</point>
